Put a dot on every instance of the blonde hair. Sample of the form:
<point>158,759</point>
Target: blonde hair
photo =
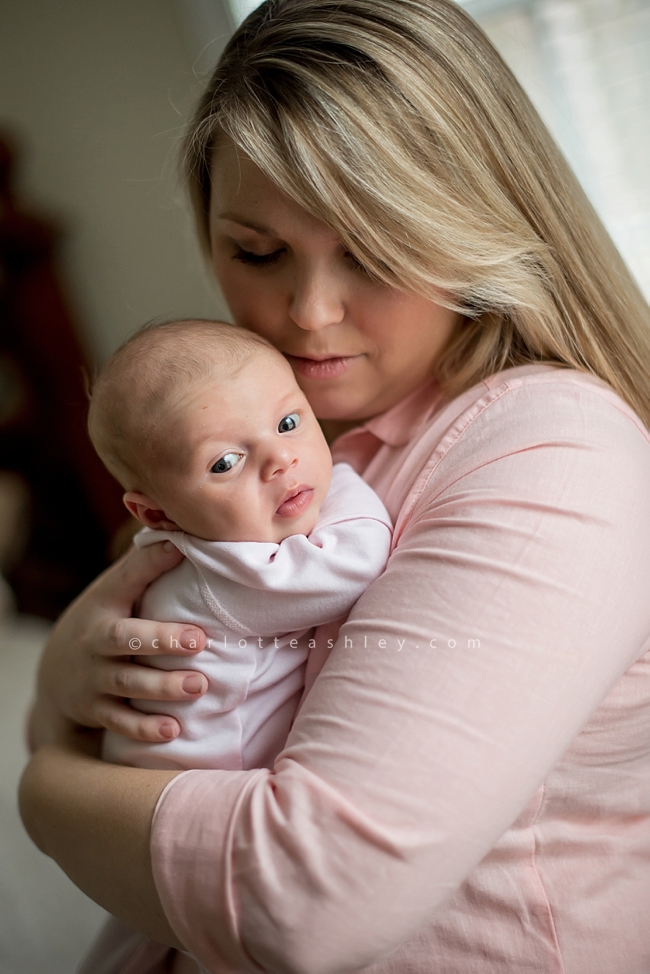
<point>147,377</point>
<point>397,123</point>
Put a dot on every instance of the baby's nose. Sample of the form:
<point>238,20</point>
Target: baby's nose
<point>279,463</point>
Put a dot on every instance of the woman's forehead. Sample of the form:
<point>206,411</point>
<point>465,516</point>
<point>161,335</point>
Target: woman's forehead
<point>235,177</point>
<point>233,173</point>
<point>242,193</point>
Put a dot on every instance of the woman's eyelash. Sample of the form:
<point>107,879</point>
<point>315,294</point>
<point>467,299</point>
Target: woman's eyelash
<point>258,260</point>
<point>264,260</point>
<point>356,264</point>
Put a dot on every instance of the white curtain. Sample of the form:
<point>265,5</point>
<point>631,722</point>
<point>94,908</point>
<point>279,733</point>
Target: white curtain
<point>242,8</point>
<point>586,66</point>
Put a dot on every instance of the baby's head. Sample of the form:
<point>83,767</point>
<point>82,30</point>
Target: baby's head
<point>205,427</point>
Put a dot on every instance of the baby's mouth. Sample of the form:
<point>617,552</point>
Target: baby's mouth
<point>296,502</point>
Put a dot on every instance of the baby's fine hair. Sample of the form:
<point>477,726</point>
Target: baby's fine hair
<point>148,376</point>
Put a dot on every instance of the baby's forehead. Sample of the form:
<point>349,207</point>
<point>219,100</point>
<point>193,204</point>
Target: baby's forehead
<point>257,384</point>
<point>207,414</point>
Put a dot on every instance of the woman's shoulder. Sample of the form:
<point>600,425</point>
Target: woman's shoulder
<point>548,385</point>
<point>531,405</point>
<point>531,425</point>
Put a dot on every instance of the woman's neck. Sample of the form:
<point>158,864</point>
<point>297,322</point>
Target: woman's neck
<point>333,428</point>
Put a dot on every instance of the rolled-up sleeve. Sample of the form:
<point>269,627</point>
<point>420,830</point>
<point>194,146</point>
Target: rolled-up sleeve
<point>516,597</point>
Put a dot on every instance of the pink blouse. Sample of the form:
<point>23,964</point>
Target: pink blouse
<point>467,785</point>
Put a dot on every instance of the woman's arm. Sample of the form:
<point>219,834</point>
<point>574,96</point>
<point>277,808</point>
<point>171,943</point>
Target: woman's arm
<point>94,820</point>
<point>514,602</point>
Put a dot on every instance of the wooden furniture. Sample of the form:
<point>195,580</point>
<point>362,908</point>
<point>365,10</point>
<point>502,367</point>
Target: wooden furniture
<point>75,506</point>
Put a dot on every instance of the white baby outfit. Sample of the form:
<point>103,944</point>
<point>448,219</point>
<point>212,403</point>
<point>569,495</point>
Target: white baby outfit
<point>257,603</point>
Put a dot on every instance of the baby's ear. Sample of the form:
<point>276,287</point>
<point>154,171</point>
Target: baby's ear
<point>148,511</point>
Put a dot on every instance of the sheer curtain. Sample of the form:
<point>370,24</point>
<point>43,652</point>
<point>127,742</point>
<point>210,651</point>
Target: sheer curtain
<point>586,66</point>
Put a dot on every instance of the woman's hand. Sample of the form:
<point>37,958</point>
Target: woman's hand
<point>86,671</point>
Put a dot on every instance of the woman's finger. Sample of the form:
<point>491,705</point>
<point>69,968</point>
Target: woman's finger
<point>141,637</point>
<point>75,680</point>
<point>125,679</point>
<point>122,719</point>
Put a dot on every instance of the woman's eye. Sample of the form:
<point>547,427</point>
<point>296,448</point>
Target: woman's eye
<point>289,423</point>
<point>226,463</point>
<point>257,260</point>
<point>356,264</point>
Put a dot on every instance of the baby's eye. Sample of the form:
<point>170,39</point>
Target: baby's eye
<point>289,423</point>
<point>226,463</point>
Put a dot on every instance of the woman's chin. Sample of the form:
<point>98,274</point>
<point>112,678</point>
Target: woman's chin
<point>344,402</point>
<point>336,412</point>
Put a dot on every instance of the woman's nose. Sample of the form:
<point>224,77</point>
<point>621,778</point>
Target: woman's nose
<point>317,301</point>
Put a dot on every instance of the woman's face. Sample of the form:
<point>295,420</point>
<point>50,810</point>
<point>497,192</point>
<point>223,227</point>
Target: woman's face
<point>357,347</point>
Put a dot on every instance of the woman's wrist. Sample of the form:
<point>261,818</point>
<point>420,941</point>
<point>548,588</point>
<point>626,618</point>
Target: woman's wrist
<point>45,725</point>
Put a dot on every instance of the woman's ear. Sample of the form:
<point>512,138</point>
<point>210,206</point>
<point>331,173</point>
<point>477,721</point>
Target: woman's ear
<point>148,511</point>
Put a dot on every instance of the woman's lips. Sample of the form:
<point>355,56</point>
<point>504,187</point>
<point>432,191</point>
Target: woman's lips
<point>296,503</point>
<point>322,368</point>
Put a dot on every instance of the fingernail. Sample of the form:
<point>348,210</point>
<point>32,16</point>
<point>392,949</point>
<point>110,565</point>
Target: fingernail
<point>167,730</point>
<point>189,639</point>
<point>193,684</point>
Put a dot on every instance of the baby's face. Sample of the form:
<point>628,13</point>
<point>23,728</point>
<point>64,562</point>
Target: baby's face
<point>249,461</point>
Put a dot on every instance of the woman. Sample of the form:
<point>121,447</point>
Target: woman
<point>466,787</point>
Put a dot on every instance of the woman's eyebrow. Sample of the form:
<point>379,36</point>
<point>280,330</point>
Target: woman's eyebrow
<point>246,223</point>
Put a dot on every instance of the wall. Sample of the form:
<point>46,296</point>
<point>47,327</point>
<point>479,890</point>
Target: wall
<point>98,94</point>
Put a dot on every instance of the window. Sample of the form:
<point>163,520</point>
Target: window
<point>242,8</point>
<point>586,66</point>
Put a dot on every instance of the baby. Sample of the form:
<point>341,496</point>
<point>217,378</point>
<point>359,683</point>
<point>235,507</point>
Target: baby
<point>205,427</point>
